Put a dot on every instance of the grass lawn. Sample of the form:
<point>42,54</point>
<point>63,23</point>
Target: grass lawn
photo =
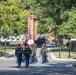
<point>64,53</point>
<point>8,49</point>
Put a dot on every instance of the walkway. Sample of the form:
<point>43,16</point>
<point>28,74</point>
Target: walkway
<point>52,67</point>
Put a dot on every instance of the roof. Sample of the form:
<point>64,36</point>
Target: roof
<point>73,39</point>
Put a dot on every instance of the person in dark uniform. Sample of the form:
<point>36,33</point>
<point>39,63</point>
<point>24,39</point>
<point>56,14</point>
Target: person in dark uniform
<point>25,42</point>
<point>27,51</point>
<point>18,53</point>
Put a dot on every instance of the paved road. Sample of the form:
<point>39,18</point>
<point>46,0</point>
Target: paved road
<point>52,67</point>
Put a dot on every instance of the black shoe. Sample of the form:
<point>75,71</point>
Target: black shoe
<point>42,62</point>
<point>18,66</point>
<point>26,66</point>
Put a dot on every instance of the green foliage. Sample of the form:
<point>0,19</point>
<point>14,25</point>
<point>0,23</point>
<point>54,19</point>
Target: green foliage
<point>59,15</point>
<point>68,26</point>
<point>13,18</point>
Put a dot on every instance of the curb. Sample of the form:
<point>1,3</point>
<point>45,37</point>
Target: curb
<point>10,54</point>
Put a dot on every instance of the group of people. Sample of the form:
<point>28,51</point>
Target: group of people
<point>25,53</point>
<point>29,54</point>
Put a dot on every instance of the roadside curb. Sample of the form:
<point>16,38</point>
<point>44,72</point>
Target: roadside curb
<point>10,54</point>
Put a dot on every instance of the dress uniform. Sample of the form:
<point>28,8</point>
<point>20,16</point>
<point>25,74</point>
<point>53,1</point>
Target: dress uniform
<point>18,53</point>
<point>27,52</point>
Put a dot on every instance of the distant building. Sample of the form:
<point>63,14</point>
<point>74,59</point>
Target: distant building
<point>73,44</point>
<point>52,37</point>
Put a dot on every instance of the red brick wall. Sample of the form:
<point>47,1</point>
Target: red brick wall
<point>32,26</point>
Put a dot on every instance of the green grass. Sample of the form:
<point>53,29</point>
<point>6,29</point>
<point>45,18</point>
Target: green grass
<point>8,49</point>
<point>2,54</point>
<point>64,53</point>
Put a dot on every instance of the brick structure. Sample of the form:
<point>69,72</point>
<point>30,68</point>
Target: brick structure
<point>52,37</point>
<point>32,26</point>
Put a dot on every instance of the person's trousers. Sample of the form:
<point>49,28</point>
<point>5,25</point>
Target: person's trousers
<point>19,59</point>
<point>27,61</point>
<point>31,58</point>
<point>43,58</point>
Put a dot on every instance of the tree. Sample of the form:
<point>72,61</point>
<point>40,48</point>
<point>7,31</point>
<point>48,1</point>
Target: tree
<point>59,15</point>
<point>13,19</point>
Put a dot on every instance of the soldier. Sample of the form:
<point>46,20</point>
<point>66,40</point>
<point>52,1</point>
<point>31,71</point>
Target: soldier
<point>27,52</point>
<point>18,53</point>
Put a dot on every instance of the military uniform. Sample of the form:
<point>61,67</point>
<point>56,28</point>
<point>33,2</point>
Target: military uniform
<point>18,53</point>
<point>27,52</point>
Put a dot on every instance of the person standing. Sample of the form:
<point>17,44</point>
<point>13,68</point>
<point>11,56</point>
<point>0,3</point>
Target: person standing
<point>27,51</point>
<point>18,53</point>
<point>32,56</point>
<point>43,53</point>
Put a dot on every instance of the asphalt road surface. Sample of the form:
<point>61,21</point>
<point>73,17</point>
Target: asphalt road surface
<point>51,67</point>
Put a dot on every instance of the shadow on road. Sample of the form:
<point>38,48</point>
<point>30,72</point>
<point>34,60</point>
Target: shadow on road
<point>48,69</point>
